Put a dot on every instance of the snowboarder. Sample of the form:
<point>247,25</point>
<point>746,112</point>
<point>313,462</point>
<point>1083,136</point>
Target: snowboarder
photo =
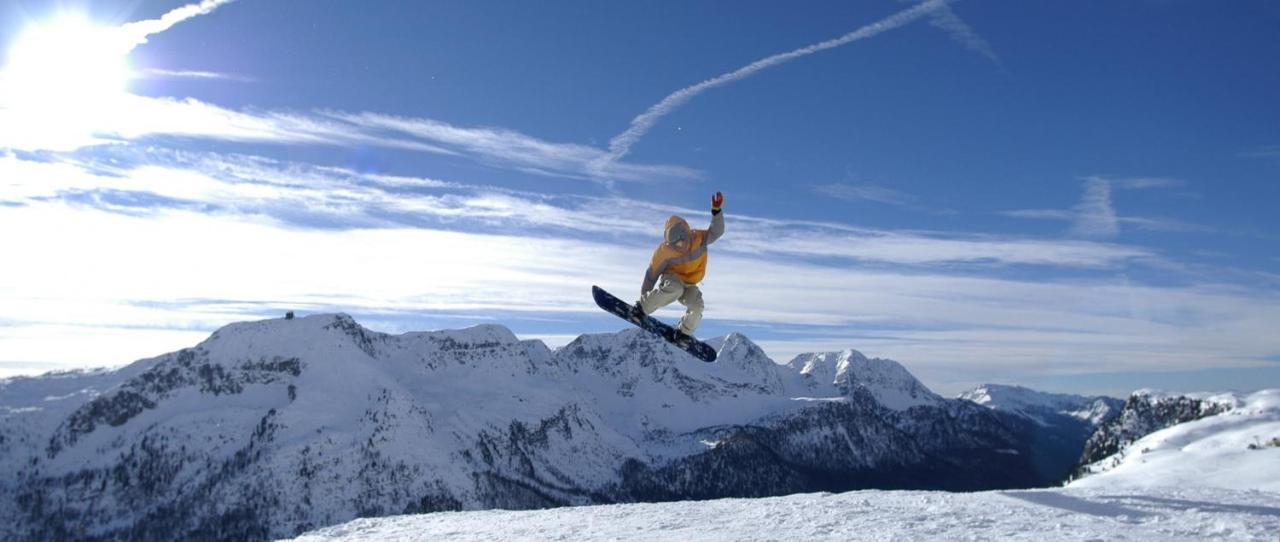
<point>678,265</point>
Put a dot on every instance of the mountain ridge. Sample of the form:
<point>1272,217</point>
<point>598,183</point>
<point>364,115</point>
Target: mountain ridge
<point>275,427</point>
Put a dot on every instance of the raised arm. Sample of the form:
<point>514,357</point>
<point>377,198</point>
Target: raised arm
<point>717,219</point>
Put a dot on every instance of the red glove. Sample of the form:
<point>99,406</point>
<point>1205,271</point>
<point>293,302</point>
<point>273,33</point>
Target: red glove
<point>717,200</point>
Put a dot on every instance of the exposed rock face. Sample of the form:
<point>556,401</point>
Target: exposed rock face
<point>1144,413</point>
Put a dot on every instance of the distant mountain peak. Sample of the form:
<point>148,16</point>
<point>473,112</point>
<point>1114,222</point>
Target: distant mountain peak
<point>300,422</point>
<point>849,371</point>
<point>1041,406</point>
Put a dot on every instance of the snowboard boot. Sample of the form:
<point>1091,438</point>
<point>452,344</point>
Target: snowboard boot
<point>680,338</point>
<point>637,314</point>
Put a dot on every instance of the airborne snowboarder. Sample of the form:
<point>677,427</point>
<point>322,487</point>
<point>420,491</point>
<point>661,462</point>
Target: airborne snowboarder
<point>677,266</point>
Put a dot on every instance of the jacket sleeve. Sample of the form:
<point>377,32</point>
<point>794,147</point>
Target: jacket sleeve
<point>649,281</point>
<point>717,227</point>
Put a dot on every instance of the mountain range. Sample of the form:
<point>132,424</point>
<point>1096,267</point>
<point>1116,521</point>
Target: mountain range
<point>278,427</point>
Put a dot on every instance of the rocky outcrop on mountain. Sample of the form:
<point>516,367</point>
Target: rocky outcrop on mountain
<point>1145,412</point>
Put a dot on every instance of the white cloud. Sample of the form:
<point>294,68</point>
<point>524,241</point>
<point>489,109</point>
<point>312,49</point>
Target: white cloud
<point>137,32</point>
<point>173,272</point>
<point>510,148</point>
<point>195,74</point>
<point>255,186</point>
<point>1264,151</point>
<point>1164,224</point>
<point>1094,215</point>
<point>134,117</point>
<point>867,192</point>
<point>1041,214</point>
<point>36,348</point>
<point>946,19</point>
<point>50,104</point>
<point>878,194</point>
<point>1143,183</point>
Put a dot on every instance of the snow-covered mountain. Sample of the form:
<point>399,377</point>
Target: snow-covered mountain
<point>1213,478</point>
<point>1045,408</point>
<point>1223,440</point>
<point>848,372</point>
<point>277,427</point>
<point>1063,422</point>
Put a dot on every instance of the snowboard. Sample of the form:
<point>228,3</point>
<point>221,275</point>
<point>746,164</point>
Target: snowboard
<point>622,309</point>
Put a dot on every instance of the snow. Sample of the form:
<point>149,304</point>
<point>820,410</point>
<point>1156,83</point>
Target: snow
<point>1037,405</point>
<point>422,400</point>
<point>849,371</point>
<point>1195,481</point>
<point>1212,451</point>
<point>1035,515</point>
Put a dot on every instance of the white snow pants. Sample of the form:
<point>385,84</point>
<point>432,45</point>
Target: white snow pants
<point>670,288</point>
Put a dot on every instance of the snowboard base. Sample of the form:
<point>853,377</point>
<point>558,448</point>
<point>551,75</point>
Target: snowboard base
<point>622,309</point>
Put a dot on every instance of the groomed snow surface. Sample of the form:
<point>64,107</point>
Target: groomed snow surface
<point>1037,515</point>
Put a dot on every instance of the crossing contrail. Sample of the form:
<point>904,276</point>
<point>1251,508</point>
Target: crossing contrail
<point>949,22</point>
<point>621,144</point>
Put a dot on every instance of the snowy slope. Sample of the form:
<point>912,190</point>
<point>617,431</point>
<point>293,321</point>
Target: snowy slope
<point>1212,452</point>
<point>1036,516</point>
<point>1198,480</point>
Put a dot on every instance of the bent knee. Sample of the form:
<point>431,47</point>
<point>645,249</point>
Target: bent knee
<point>693,298</point>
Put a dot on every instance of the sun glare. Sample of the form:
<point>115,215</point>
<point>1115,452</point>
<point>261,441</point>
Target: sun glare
<point>67,64</point>
<point>63,83</point>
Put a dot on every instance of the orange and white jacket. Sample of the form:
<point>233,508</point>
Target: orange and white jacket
<point>688,262</point>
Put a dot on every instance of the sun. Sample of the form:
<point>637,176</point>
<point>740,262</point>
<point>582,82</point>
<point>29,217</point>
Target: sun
<point>68,64</point>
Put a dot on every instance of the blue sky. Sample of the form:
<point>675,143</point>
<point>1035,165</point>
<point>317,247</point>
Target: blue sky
<point>1075,196</point>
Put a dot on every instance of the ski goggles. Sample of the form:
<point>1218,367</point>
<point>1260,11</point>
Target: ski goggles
<point>677,234</point>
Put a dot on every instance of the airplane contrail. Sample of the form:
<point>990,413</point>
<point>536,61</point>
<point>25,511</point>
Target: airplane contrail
<point>138,31</point>
<point>948,21</point>
<point>621,144</point>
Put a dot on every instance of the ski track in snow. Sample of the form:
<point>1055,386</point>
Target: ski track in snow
<point>1034,515</point>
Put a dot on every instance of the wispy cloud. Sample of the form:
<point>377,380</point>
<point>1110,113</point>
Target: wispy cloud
<point>514,149</point>
<point>1041,214</point>
<point>137,32</point>
<point>946,19</point>
<point>1162,224</point>
<point>866,192</point>
<point>1095,216</point>
<point>621,144</point>
<point>193,74</point>
<point>878,194</point>
<point>1142,183</point>
<point>139,117</point>
<point>230,247</point>
<point>1264,151</point>
<point>183,271</point>
<point>337,197</point>
<point>32,121</point>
